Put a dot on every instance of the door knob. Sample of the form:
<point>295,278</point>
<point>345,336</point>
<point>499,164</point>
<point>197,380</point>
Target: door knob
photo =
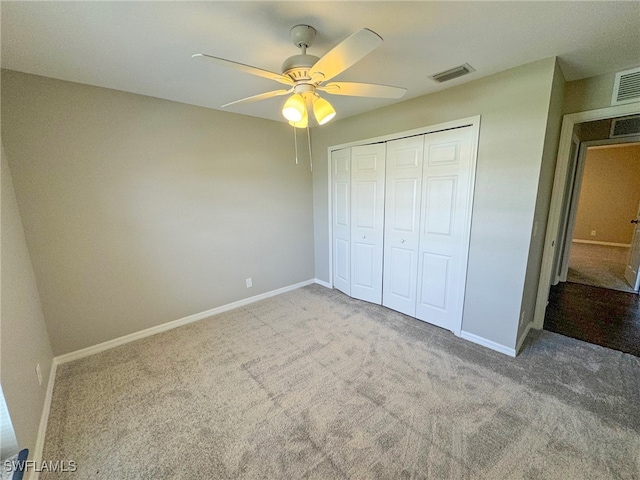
<point>635,221</point>
<point>402,241</point>
<point>364,236</point>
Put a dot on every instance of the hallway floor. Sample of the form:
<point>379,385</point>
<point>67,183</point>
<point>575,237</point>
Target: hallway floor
<point>599,266</point>
<point>596,315</point>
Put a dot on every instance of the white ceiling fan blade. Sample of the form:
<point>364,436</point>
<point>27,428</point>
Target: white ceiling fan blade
<point>355,89</point>
<point>244,68</point>
<point>346,53</point>
<point>261,96</point>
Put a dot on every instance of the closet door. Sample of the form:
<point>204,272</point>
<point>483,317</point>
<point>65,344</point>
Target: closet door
<point>402,223</point>
<point>367,219</point>
<point>445,225</point>
<point>341,202</point>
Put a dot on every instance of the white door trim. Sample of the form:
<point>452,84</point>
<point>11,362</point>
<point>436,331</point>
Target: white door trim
<point>562,247</point>
<point>463,122</point>
<point>563,269</point>
<point>558,193</point>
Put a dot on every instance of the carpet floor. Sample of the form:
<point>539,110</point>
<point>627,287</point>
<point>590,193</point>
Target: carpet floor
<point>314,384</point>
<point>599,266</point>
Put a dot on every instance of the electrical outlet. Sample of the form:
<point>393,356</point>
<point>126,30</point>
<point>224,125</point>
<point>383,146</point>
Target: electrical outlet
<point>249,282</point>
<point>39,373</point>
<point>593,233</point>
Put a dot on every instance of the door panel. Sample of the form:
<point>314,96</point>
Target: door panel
<point>633,266</point>
<point>341,272</point>
<point>341,203</point>
<point>402,223</point>
<point>367,221</point>
<point>405,205</point>
<point>364,200</point>
<point>445,224</point>
<point>363,272</point>
<point>400,269</point>
<point>434,273</point>
<point>440,205</point>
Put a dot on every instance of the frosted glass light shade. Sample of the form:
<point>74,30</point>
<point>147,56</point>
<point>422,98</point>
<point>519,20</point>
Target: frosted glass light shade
<point>323,110</point>
<point>302,123</point>
<point>294,109</point>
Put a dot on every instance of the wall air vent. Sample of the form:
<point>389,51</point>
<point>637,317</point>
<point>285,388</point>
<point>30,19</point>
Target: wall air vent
<point>626,88</point>
<point>625,126</point>
<point>452,73</point>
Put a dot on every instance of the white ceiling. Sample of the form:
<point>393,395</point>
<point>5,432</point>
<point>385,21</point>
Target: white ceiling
<point>146,47</point>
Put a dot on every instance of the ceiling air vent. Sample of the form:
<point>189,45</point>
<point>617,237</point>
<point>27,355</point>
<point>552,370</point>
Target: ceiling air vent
<point>626,88</point>
<point>452,73</point>
<point>625,126</point>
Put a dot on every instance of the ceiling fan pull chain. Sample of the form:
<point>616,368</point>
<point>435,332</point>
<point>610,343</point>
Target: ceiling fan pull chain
<point>309,139</point>
<point>295,143</point>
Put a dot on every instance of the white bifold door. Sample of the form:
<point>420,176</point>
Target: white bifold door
<point>358,203</point>
<point>402,221</point>
<point>444,227</point>
<point>429,185</point>
<point>341,219</point>
<point>367,221</point>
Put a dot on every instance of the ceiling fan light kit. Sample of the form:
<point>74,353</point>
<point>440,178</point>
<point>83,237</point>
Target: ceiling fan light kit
<point>322,110</point>
<point>303,122</point>
<point>294,108</point>
<point>306,75</point>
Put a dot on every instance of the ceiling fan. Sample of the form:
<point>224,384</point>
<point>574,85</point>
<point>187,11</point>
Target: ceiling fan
<point>306,75</point>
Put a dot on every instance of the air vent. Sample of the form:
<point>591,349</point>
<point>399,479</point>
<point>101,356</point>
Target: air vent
<point>452,73</point>
<point>625,126</point>
<point>626,88</point>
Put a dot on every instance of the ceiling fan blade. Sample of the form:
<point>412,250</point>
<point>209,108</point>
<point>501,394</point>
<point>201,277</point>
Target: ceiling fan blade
<point>261,96</point>
<point>355,89</point>
<point>346,53</point>
<point>244,68</point>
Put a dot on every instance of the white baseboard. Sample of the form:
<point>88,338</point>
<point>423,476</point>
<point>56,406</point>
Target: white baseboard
<point>116,342</point>
<point>523,336</point>
<point>488,343</point>
<point>323,283</point>
<point>607,244</point>
<point>44,420</point>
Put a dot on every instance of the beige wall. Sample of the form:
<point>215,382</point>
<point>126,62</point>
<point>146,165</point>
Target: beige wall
<point>138,211</point>
<point>514,106</point>
<point>23,335</point>
<point>610,194</point>
<point>543,202</point>
<point>589,93</point>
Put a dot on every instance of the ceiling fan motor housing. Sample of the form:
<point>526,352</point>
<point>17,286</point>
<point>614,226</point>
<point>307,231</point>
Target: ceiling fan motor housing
<point>303,35</point>
<point>297,67</point>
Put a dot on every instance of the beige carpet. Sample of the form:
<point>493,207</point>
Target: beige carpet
<point>599,266</point>
<point>313,384</point>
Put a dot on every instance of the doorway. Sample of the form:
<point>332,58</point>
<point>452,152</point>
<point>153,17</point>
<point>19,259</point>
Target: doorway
<point>592,311</point>
<point>602,216</point>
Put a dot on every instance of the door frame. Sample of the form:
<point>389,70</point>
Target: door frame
<point>634,249</point>
<point>558,196</point>
<point>563,263</point>
<point>473,122</point>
